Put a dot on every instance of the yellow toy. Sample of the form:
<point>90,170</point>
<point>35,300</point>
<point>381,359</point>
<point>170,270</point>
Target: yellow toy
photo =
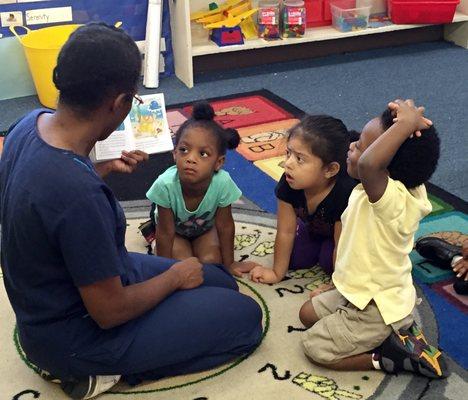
<point>229,15</point>
<point>231,21</point>
<point>201,14</point>
<point>241,8</point>
<point>211,18</point>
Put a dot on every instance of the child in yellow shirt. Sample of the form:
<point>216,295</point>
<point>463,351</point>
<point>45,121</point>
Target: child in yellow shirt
<point>367,322</point>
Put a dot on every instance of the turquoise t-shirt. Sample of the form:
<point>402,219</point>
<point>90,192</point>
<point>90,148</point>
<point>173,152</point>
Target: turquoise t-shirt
<point>167,192</point>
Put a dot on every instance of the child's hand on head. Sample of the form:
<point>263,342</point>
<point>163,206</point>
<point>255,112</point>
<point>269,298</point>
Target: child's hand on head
<point>263,275</point>
<point>406,112</point>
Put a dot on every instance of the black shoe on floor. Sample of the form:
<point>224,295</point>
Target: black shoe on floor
<point>438,251</point>
<point>406,351</point>
<point>461,286</point>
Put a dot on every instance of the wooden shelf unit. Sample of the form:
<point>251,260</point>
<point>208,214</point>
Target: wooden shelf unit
<point>184,52</point>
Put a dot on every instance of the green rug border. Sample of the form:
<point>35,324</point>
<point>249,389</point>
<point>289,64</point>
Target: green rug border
<point>446,207</point>
<point>266,311</point>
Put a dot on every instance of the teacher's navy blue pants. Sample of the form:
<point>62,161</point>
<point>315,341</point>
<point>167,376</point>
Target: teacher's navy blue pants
<point>191,330</point>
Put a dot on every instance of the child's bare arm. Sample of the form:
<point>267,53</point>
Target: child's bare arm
<point>336,237</point>
<point>225,228</point>
<point>324,287</point>
<point>165,232</point>
<point>285,233</point>
<point>373,163</point>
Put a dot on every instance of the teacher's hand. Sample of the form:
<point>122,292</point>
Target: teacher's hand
<point>190,273</point>
<point>127,163</point>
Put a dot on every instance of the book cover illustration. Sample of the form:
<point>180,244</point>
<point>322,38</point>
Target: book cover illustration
<point>148,119</point>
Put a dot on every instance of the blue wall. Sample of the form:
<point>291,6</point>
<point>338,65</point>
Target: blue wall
<point>15,78</point>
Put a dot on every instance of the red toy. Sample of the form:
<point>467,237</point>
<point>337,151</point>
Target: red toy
<point>227,36</point>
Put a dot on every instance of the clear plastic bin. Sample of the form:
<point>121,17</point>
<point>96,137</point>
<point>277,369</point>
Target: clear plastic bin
<point>350,15</point>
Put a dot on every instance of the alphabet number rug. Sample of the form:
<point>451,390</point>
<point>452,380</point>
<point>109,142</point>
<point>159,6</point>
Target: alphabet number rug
<point>278,368</point>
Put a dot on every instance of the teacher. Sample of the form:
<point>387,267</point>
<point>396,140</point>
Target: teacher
<point>88,311</point>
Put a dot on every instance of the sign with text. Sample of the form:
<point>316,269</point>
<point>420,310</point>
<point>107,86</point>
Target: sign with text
<point>48,15</point>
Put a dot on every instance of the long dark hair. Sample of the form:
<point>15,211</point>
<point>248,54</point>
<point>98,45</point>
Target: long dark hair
<point>327,137</point>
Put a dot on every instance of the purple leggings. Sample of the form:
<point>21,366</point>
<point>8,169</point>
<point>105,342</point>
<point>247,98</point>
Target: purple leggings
<point>308,251</point>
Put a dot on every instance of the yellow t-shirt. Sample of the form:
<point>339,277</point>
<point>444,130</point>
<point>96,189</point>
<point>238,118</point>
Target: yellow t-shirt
<point>372,260</point>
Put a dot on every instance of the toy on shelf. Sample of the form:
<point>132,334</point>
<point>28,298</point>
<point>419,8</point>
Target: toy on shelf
<point>227,36</point>
<point>294,18</point>
<point>269,19</point>
<point>229,23</point>
<point>347,17</point>
<point>214,9</point>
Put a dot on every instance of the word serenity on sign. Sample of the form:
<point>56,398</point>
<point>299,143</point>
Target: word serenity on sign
<point>48,15</point>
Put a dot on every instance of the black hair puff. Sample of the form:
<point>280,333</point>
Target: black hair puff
<point>202,110</point>
<point>232,138</point>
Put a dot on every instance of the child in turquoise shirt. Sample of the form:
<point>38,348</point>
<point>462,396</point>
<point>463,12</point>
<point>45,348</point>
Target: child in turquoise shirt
<point>193,198</point>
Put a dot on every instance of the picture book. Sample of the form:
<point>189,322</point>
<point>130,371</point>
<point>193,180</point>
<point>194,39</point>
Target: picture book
<point>145,128</point>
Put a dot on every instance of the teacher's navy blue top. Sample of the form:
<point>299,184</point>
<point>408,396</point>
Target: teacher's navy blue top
<point>48,249</point>
<point>62,229</point>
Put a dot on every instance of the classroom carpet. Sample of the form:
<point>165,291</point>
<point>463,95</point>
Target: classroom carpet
<point>278,368</point>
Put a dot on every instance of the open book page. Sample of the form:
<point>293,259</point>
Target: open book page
<point>145,128</point>
<point>149,125</point>
<point>111,148</point>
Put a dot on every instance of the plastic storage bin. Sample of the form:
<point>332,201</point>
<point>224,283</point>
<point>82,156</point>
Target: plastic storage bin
<point>268,18</point>
<point>41,47</point>
<point>294,19</point>
<point>318,13</point>
<point>421,12</point>
<point>347,17</point>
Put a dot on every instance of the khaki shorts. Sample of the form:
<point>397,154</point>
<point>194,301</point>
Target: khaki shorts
<point>344,330</point>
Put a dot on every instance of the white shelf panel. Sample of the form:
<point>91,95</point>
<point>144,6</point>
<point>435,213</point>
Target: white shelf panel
<point>312,35</point>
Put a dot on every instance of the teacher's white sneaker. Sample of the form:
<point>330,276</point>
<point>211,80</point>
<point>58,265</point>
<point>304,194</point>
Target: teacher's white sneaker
<point>90,387</point>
